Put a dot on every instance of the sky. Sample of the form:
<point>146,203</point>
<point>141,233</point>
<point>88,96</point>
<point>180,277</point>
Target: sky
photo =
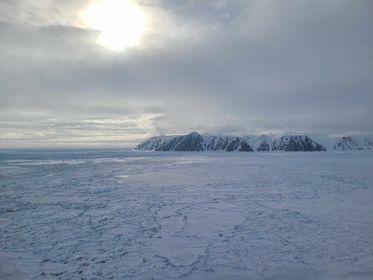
<point>223,66</point>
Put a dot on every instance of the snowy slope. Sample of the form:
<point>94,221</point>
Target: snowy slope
<point>354,143</point>
<point>261,143</point>
<point>152,143</point>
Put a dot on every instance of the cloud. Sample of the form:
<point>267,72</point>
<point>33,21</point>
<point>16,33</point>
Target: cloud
<point>214,66</point>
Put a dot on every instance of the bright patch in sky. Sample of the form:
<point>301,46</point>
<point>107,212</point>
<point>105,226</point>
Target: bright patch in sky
<point>121,23</point>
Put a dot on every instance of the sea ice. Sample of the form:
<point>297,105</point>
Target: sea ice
<point>115,214</point>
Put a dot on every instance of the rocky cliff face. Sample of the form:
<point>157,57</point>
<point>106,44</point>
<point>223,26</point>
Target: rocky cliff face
<point>197,142</point>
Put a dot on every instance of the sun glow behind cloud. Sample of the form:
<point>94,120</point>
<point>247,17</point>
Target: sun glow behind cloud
<point>121,23</point>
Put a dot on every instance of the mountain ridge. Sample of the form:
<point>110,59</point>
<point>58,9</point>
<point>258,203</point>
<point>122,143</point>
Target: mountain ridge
<point>295,142</point>
<point>195,141</point>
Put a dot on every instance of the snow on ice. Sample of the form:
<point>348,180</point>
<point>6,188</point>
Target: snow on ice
<point>115,214</point>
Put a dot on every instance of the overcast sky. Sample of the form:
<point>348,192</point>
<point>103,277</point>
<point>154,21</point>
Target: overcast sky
<point>223,66</point>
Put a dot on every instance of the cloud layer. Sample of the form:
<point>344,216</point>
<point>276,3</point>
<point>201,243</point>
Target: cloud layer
<point>213,66</point>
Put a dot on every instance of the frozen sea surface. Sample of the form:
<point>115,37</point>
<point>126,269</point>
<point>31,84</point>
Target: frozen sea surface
<point>115,214</point>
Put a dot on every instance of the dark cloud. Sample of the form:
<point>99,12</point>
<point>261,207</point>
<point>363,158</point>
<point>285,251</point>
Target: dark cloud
<point>217,66</point>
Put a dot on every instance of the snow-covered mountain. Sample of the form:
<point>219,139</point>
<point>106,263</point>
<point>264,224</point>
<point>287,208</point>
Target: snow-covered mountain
<point>195,142</point>
<point>207,142</point>
<point>354,143</point>
<point>295,143</point>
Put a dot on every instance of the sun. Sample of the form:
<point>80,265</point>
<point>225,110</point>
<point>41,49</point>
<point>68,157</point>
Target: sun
<point>120,23</point>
